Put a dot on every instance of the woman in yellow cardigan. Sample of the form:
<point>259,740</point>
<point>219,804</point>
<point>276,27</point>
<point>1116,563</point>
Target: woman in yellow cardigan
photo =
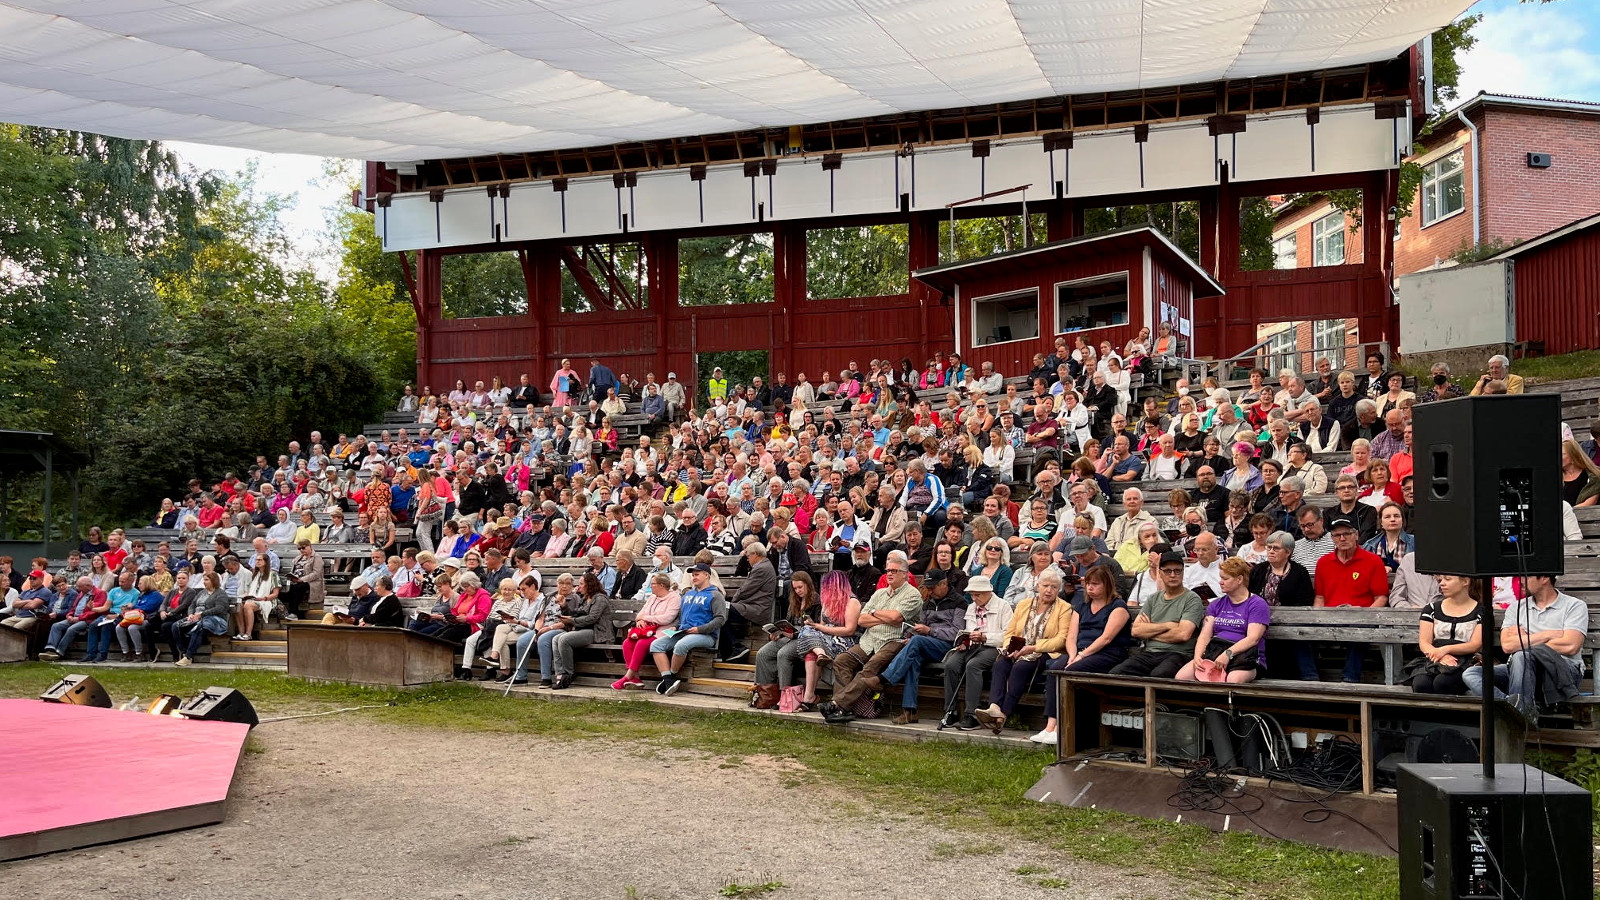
<point>1036,635</point>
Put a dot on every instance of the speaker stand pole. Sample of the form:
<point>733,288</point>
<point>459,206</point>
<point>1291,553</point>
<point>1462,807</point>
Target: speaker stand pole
<point>1490,641</point>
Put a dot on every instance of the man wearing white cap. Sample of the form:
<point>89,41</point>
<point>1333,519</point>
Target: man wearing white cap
<point>673,393</point>
<point>974,653</point>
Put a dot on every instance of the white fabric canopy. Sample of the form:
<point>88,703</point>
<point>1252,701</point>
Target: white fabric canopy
<point>425,79</point>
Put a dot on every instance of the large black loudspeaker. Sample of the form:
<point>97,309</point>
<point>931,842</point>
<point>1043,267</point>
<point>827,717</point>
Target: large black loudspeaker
<point>1488,485</point>
<point>1521,834</point>
<point>220,704</point>
<point>77,690</point>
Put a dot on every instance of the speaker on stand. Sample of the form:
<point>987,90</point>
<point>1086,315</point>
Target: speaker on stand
<point>1488,504</point>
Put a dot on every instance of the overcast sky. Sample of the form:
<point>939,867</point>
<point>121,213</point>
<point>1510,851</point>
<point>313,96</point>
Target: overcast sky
<point>1549,50</point>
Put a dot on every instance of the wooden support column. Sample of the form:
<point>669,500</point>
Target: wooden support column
<point>1374,305</point>
<point>788,293</point>
<point>1063,220</point>
<point>924,252</point>
<point>661,260</point>
<point>429,306</point>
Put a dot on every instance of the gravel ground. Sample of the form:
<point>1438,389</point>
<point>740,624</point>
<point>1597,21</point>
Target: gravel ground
<point>342,807</point>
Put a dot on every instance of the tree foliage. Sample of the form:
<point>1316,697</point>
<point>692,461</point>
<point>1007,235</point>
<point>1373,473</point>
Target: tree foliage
<point>720,271</point>
<point>152,318</point>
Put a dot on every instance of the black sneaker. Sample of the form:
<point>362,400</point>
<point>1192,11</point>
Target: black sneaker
<point>839,717</point>
<point>677,684</point>
<point>561,683</point>
<point>665,682</point>
<point>737,654</point>
<point>969,723</point>
<point>949,721</point>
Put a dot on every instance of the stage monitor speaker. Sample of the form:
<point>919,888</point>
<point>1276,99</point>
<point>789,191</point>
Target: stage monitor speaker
<point>78,690</point>
<point>220,704</point>
<point>1488,485</point>
<point>1522,834</point>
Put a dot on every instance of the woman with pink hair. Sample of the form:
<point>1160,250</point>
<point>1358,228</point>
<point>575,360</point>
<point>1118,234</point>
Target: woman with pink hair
<point>823,641</point>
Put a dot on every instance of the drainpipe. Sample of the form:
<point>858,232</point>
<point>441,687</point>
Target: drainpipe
<point>1477,186</point>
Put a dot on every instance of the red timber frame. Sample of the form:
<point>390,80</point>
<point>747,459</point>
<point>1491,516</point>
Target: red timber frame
<point>816,335</point>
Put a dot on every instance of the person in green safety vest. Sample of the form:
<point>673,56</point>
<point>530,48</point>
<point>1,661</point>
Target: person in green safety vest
<point>718,387</point>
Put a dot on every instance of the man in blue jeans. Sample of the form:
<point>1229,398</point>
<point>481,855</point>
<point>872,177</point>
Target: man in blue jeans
<point>944,614</point>
<point>702,612</point>
<point>1543,635</point>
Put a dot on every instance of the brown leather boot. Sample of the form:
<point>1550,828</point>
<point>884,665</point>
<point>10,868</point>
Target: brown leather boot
<point>764,696</point>
<point>906,717</point>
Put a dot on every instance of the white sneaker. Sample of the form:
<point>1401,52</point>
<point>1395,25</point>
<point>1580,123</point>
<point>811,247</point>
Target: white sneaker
<point>1043,737</point>
<point>182,661</point>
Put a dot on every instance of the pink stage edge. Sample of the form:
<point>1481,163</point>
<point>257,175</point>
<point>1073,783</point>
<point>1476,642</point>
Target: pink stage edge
<point>81,767</point>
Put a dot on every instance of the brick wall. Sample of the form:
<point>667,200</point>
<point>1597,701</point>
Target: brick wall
<point>1301,223</point>
<point>1523,202</point>
<point>1519,202</point>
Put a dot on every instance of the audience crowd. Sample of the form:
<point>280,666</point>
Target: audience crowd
<point>875,513</point>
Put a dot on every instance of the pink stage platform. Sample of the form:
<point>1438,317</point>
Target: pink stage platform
<point>77,775</point>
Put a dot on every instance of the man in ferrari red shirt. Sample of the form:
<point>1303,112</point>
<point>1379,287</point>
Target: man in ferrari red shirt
<point>1349,576</point>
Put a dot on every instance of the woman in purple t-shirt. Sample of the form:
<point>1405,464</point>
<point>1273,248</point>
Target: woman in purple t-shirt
<point>1234,634</point>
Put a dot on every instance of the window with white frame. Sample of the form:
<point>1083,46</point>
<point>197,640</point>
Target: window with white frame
<point>1328,336</point>
<point>1327,240</point>
<point>1444,188</point>
<point>1281,350</point>
<point>1284,252</point>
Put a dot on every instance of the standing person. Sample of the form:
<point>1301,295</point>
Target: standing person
<point>1450,637</point>
<point>565,385</point>
<point>1233,636</point>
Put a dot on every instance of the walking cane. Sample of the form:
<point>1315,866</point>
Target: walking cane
<point>520,663</point>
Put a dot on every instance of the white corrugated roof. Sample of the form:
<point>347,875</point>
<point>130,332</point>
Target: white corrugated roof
<point>423,79</point>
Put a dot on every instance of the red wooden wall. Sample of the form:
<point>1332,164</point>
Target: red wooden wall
<point>816,335</point>
<point>1558,293</point>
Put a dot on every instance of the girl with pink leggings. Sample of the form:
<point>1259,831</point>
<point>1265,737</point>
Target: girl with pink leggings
<point>659,611</point>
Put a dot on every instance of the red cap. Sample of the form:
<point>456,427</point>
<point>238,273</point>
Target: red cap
<point>36,574</point>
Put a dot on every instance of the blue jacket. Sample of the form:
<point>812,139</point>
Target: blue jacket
<point>705,609</point>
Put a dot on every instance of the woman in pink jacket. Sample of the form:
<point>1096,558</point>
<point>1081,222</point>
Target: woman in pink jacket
<point>659,612</point>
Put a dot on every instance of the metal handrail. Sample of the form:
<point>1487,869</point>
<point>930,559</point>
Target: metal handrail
<point>1299,359</point>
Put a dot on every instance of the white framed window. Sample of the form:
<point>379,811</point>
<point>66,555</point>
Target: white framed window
<point>1282,348</point>
<point>1328,336</point>
<point>1444,188</point>
<point>1098,302</point>
<point>1284,252</point>
<point>1327,240</point>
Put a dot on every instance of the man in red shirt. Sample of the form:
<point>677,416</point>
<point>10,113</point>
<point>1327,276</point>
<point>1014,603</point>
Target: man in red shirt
<point>1349,576</point>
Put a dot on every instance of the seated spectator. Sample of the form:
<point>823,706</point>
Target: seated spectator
<point>1206,569</point>
<point>855,672</point>
<point>1450,637</point>
<point>1349,576</point>
<point>1277,578</point>
<point>944,613</point>
<point>974,651</point>
<point>258,596</point>
<point>1166,624</point>
<point>1097,639</point>
<point>1244,476</point>
<point>1442,388</point>
<point>103,627</point>
<point>1543,635</point>
<point>1394,394</point>
<point>136,620</point>
<point>503,615</point>
<point>1365,516</point>
<point>198,613</point>
<point>1035,636</point>
<point>33,600</point>
<point>1380,489</point>
<point>85,603</point>
<point>1392,542</point>
<point>1232,645</point>
<point>1580,477</point>
<point>1499,370</point>
<point>703,609</point>
<point>361,599</point>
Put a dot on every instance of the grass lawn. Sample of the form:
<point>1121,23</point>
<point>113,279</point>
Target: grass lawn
<point>970,787</point>
<point>1582,364</point>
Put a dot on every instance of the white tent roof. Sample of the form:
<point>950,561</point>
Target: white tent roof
<point>424,79</point>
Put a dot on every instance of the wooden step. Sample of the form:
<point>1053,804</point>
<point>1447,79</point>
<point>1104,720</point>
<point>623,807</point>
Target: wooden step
<point>260,646</point>
<point>744,672</point>
<point>241,658</point>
